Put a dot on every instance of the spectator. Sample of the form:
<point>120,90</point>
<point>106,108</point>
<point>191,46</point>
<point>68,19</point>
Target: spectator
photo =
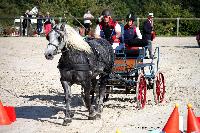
<point>39,23</point>
<point>147,33</point>
<point>26,23</point>
<point>198,38</point>
<point>47,23</point>
<point>108,29</point>
<point>87,21</point>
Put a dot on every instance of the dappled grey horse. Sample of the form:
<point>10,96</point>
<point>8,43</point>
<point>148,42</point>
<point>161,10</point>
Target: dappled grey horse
<point>80,63</point>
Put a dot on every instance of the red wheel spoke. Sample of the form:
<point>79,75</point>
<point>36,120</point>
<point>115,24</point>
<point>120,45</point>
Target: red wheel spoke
<point>141,91</point>
<point>159,88</point>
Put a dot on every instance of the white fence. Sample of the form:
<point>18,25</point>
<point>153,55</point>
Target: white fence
<point>167,19</point>
<point>16,23</point>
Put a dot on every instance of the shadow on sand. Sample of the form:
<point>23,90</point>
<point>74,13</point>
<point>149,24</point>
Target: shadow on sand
<point>49,113</point>
<point>181,46</point>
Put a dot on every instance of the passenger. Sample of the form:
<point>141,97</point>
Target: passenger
<point>108,29</point>
<point>131,32</point>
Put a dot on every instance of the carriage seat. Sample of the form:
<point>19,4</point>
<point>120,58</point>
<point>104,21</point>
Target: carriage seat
<point>130,52</point>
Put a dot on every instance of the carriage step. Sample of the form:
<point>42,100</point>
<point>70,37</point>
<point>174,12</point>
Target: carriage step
<point>120,65</point>
<point>145,64</point>
<point>120,91</point>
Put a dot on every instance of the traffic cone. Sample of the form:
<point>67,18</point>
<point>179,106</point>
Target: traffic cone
<point>4,119</point>
<point>198,118</point>
<point>193,125</point>
<point>11,113</point>
<point>172,125</point>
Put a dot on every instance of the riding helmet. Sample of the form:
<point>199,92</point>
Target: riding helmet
<point>130,16</point>
<point>106,12</point>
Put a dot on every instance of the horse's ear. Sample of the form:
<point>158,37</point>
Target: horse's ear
<point>61,32</point>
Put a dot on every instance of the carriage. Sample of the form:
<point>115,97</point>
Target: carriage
<point>133,73</point>
<point>82,64</point>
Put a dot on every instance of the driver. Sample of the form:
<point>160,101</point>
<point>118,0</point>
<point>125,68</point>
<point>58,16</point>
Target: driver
<point>108,29</point>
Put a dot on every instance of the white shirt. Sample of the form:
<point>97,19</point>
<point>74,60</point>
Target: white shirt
<point>87,17</point>
<point>98,30</point>
<point>138,33</point>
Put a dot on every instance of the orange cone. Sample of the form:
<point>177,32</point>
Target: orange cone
<point>172,125</point>
<point>198,118</point>
<point>193,125</point>
<point>11,113</point>
<point>4,119</point>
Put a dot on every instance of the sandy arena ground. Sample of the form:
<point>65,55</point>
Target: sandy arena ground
<point>31,84</point>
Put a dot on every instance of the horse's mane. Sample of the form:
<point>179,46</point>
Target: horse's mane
<point>75,40</point>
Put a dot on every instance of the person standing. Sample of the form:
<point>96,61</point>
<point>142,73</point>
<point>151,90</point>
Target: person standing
<point>47,24</point>
<point>39,23</point>
<point>26,23</point>
<point>147,33</point>
<point>87,21</point>
<point>108,29</point>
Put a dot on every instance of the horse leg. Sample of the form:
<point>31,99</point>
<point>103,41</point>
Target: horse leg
<point>87,88</point>
<point>94,89</point>
<point>67,90</point>
<point>100,96</point>
<point>92,93</point>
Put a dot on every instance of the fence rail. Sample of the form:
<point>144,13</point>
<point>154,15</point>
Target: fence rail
<point>163,26</point>
<point>167,19</point>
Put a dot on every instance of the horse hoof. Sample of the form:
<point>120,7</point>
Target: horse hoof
<point>66,122</point>
<point>72,115</point>
<point>92,117</point>
<point>98,116</point>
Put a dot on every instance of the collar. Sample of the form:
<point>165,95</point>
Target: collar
<point>111,23</point>
<point>128,27</point>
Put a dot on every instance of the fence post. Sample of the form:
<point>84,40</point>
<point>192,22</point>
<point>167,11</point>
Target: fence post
<point>138,22</point>
<point>20,27</point>
<point>177,30</point>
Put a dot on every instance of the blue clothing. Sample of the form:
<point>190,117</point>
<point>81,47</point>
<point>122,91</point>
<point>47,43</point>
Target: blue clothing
<point>107,32</point>
<point>39,24</point>
<point>129,34</point>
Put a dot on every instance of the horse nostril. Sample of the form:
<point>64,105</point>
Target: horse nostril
<point>49,55</point>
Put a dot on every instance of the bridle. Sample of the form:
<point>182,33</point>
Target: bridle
<point>60,40</point>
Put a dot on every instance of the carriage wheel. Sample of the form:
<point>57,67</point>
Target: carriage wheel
<point>141,91</point>
<point>159,88</point>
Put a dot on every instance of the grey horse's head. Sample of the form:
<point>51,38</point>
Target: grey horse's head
<point>55,38</point>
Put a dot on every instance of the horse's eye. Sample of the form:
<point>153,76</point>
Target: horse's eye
<point>59,39</point>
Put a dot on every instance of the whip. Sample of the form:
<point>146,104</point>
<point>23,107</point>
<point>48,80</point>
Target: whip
<point>75,19</point>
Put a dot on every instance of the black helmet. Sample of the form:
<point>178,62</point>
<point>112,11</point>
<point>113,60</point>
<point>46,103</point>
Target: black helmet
<point>106,12</point>
<point>130,16</point>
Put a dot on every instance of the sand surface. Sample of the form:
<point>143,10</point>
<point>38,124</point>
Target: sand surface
<point>31,84</point>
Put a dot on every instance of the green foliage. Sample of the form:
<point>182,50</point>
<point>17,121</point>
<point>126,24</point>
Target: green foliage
<point>119,8</point>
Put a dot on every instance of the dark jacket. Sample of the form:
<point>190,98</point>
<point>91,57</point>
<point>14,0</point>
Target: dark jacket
<point>147,29</point>
<point>26,20</point>
<point>40,20</point>
<point>129,33</point>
